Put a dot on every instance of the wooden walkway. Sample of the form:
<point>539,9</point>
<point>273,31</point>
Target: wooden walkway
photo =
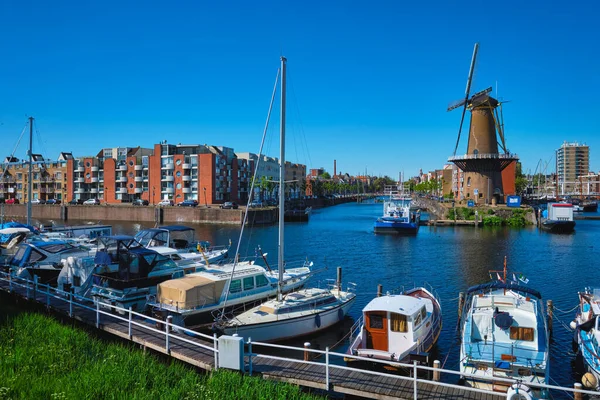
<point>187,349</point>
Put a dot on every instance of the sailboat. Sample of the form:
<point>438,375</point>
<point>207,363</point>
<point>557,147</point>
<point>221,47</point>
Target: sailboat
<point>295,314</point>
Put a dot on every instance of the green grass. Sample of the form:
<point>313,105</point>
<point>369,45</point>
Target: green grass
<point>42,359</point>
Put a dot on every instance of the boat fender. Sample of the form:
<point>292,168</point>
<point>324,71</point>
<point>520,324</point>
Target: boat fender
<point>318,320</point>
<point>340,314</point>
<point>573,325</point>
<point>589,380</point>
<point>518,391</point>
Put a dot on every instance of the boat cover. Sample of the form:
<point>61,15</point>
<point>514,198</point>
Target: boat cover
<point>502,285</point>
<point>190,291</point>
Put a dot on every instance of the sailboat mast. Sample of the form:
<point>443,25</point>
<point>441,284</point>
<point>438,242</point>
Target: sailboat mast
<point>281,177</point>
<point>30,174</point>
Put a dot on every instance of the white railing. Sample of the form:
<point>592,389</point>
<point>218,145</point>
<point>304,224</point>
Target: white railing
<point>500,156</point>
<point>34,288</point>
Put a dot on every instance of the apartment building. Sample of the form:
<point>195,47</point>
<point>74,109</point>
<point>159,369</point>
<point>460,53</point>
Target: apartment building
<point>572,162</point>
<point>49,178</point>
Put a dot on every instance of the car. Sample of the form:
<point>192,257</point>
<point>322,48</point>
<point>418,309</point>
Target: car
<point>140,202</point>
<point>188,203</point>
<point>74,202</point>
<point>52,201</point>
<point>38,201</point>
<point>255,203</point>
<point>12,201</point>
<point>165,202</point>
<point>229,205</point>
<point>91,202</point>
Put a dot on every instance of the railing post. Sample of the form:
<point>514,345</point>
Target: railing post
<point>415,380</point>
<point>35,284</point>
<point>578,395</point>
<point>250,356</point>
<point>129,327</point>
<point>98,314</point>
<point>306,347</point>
<point>71,302</point>
<point>436,372</point>
<point>167,329</point>
<point>215,344</point>
<point>327,367</point>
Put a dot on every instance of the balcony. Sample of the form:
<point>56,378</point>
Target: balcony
<point>169,166</point>
<point>186,166</point>
<point>139,179</point>
<point>168,178</point>
<point>122,167</point>
<point>79,190</point>
<point>168,190</point>
<point>94,180</point>
<point>186,178</point>
<point>93,190</point>
<point>78,180</point>
<point>138,190</point>
<point>139,167</point>
<point>186,190</point>
<point>79,169</point>
<point>94,169</point>
<point>121,190</point>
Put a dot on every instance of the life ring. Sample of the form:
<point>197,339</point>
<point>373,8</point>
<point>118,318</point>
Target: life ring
<point>519,391</point>
<point>318,320</point>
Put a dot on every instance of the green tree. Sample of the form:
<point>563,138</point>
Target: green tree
<point>325,175</point>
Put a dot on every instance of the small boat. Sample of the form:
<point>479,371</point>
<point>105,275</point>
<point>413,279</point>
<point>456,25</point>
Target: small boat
<point>587,335</point>
<point>504,335</point>
<point>396,327</point>
<point>398,216</point>
<point>558,218</point>
<point>44,259</point>
<point>589,205</point>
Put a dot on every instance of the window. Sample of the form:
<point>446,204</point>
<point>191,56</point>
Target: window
<point>131,163</point>
<point>376,320</point>
<point>398,322</point>
<point>178,162</point>
<point>87,164</point>
<point>417,321</point>
<point>236,286</point>
<point>469,181</point>
<point>520,333</point>
<point>261,281</point>
<point>249,283</point>
<point>423,313</point>
<point>178,173</point>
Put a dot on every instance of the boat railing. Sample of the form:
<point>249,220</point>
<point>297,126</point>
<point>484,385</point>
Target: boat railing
<point>330,361</point>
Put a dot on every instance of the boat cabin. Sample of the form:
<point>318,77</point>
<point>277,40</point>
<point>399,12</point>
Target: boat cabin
<point>178,237</point>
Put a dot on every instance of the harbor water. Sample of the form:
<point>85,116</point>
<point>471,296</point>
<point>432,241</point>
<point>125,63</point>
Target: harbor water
<point>450,259</point>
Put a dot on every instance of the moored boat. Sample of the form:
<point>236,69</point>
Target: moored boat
<point>398,215</point>
<point>558,218</point>
<point>504,335</point>
<point>587,335</point>
<point>396,327</point>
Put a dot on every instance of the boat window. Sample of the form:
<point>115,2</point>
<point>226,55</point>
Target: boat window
<point>417,321</point>
<point>521,333</point>
<point>375,321</point>
<point>57,248</point>
<point>398,322</point>
<point>249,283</point>
<point>18,257</point>
<point>236,286</point>
<point>261,281</point>
<point>36,256</point>
<point>423,313</point>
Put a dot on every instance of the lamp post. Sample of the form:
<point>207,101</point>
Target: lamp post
<point>205,202</point>
<point>153,192</point>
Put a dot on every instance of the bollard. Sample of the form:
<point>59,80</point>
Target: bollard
<point>250,356</point>
<point>379,290</point>
<point>306,347</point>
<point>167,329</point>
<point>550,313</point>
<point>578,395</point>
<point>129,334</point>
<point>436,371</point>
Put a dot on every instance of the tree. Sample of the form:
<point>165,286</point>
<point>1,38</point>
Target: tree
<point>325,175</point>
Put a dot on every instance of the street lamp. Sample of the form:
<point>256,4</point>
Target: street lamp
<point>205,203</point>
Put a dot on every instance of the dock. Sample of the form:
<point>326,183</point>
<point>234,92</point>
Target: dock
<point>312,369</point>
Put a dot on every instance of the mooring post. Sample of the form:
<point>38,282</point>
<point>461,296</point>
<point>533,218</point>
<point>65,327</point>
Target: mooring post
<point>250,356</point>
<point>415,379</point>
<point>379,290</point>
<point>167,329</point>
<point>327,367</point>
<point>436,371</point>
<point>216,350</point>
<point>578,395</point>
<point>306,347</point>
<point>129,327</point>
<point>71,302</point>
<point>550,314</point>
<point>461,303</point>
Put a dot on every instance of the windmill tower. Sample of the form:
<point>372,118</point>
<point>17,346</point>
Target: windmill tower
<point>482,165</point>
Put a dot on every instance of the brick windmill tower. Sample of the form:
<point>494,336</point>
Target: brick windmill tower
<point>483,163</point>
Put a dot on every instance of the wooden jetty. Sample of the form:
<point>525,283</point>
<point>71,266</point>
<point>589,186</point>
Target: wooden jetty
<point>203,351</point>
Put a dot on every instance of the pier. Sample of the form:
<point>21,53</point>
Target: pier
<point>318,369</point>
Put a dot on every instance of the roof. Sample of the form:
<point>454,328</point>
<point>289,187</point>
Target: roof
<point>176,228</point>
<point>401,304</point>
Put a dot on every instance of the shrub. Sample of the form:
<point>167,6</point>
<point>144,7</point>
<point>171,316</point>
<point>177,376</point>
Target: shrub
<point>492,220</point>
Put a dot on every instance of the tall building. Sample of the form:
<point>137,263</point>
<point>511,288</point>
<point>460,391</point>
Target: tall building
<point>49,178</point>
<point>572,162</point>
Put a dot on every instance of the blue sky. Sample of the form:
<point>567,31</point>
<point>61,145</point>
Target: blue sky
<point>368,82</point>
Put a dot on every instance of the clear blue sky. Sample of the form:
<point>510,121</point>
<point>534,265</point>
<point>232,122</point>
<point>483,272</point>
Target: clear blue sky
<point>368,82</point>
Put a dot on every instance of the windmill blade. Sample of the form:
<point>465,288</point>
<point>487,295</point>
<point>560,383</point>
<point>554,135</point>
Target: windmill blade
<point>456,104</point>
<point>467,91</point>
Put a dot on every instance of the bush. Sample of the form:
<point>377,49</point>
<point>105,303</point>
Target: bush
<point>492,220</point>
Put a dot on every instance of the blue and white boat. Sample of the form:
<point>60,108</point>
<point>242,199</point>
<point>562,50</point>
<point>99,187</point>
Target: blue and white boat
<point>398,217</point>
<point>504,335</point>
<point>587,335</point>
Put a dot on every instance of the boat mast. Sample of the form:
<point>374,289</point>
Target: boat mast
<point>281,178</point>
<point>30,174</point>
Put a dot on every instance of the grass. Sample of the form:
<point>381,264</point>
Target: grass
<point>42,359</point>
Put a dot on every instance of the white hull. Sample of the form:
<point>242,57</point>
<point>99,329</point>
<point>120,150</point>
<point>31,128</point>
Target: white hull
<point>292,327</point>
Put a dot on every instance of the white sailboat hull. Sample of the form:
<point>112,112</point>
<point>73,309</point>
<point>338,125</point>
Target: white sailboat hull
<point>287,328</point>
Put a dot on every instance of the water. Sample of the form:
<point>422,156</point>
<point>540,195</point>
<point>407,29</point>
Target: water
<point>449,259</point>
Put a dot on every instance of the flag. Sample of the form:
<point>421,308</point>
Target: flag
<point>523,279</point>
<point>499,278</point>
<point>514,278</point>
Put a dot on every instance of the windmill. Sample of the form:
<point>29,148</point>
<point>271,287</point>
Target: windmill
<point>482,164</point>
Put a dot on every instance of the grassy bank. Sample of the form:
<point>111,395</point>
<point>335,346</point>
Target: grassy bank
<point>42,359</point>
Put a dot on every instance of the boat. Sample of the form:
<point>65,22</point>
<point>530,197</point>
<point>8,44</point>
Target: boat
<point>297,214</point>
<point>400,328</point>
<point>86,231</point>
<point>179,243</point>
<point>558,218</point>
<point>398,215</point>
<point>587,335</point>
<point>589,205</point>
<point>504,335</point>
<point>13,233</point>
<point>294,314</point>
<point>43,259</point>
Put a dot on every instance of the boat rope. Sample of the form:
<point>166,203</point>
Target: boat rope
<point>456,340</point>
<point>262,143</point>
<point>16,146</point>
<point>558,384</point>
<point>317,355</point>
<point>566,312</point>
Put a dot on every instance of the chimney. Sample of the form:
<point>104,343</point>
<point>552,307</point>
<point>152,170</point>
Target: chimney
<point>334,168</point>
